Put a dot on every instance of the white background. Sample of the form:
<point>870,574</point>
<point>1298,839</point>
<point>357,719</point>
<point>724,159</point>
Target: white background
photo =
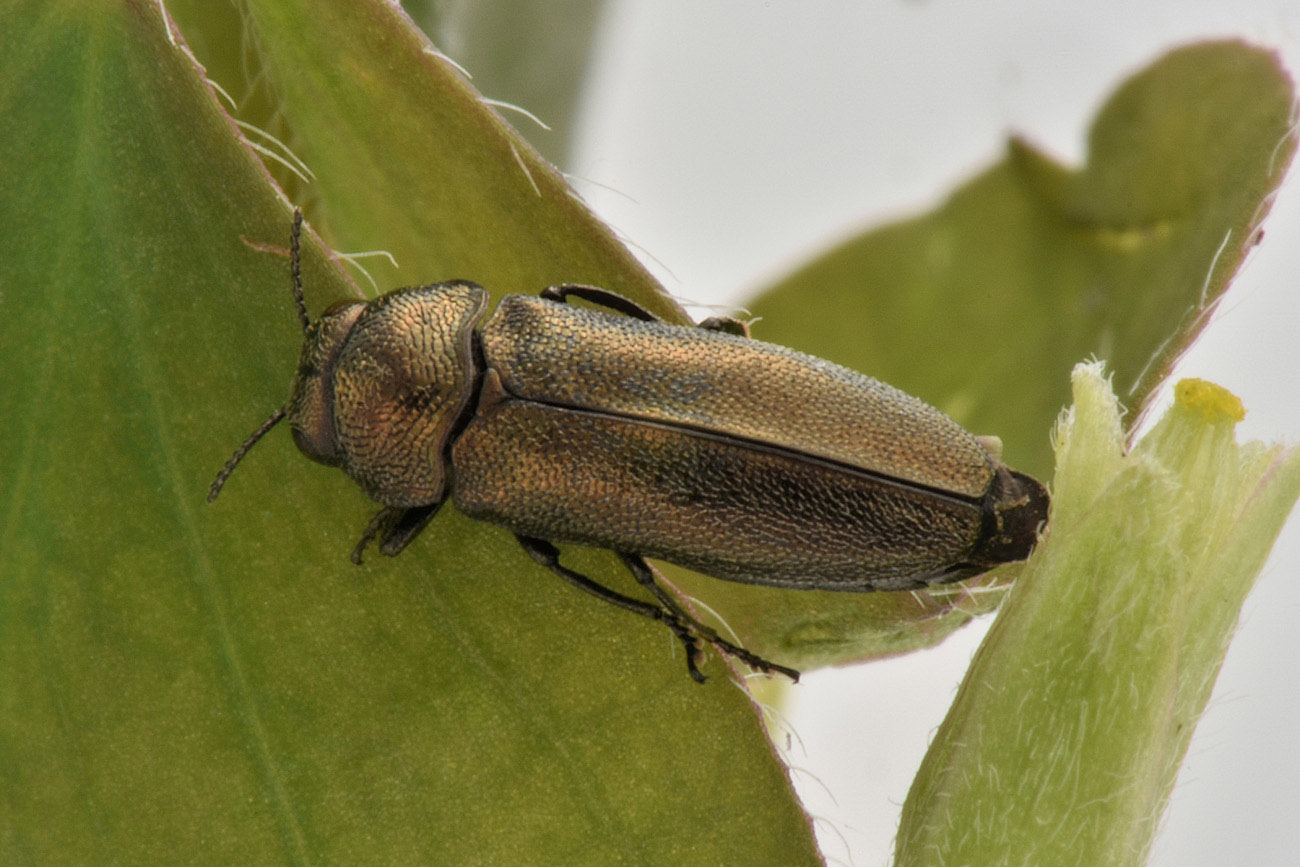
<point>742,137</point>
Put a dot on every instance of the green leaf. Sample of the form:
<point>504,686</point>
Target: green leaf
<point>219,684</point>
<point>531,53</point>
<point>1069,728</point>
<point>423,169</point>
<point>982,307</point>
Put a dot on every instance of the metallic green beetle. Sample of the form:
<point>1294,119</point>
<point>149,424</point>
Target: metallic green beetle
<point>696,445</point>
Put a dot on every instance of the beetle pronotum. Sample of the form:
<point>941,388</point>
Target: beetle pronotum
<point>696,445</point>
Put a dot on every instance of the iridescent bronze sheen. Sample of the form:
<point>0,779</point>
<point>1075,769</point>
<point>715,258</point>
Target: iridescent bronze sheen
<point>695,445</point>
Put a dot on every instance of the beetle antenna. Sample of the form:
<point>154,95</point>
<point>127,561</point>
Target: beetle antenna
<point>238,456</point>
<point>295,273</point>
<point>295,268</point>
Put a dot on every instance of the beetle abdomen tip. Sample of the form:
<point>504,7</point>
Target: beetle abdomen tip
<point>1017,507</point>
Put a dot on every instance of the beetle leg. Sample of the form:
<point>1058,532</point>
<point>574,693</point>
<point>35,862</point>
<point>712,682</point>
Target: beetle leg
<point>596,295</point>
<point>406,526</point>
<point>614,301</point>
<point>395,528</point>
<point>379,523</point>
<point>549,556</point>
<point>725,324</point>
<point>646,578</point>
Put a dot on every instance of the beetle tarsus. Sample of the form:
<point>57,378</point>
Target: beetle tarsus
<point>645,576</point>
<point>755,661</point>
<point>691,644</point>
<point>381,522</point>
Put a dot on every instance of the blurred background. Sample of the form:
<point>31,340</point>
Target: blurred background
<point>855,114</point>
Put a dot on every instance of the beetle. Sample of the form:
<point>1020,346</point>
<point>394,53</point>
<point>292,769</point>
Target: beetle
<point>697,445</point>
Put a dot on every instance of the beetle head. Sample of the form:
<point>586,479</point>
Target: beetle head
<point>381,386</point>
<point>310,409</point>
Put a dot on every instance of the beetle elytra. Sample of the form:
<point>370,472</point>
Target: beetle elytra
<point>697,445</point>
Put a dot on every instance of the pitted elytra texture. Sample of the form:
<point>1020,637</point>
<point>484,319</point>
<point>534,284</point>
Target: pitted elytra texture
<point>736,458</point>
<point>731,386</point>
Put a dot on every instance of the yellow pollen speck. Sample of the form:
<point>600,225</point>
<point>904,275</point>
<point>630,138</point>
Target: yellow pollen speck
<point>1212,402</point>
